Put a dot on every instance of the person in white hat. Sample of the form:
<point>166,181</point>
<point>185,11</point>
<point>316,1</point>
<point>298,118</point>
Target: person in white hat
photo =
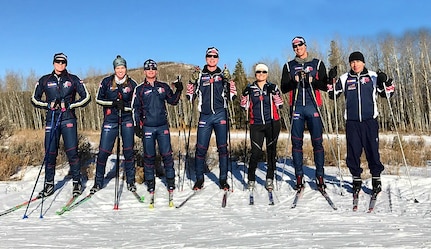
<point>263,100</point>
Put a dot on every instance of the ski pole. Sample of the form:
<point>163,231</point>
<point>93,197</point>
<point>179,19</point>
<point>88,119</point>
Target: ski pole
<point>45,159</point>
<point>181,115</point>
<point>337,134</point>
<point>117,163</point>
<point>327,135</point>
<point>399,141</point>
<point>245,142</point>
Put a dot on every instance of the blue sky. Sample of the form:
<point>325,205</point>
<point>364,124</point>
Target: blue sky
<point>93,32</point>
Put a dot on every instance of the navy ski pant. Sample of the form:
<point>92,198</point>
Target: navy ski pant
<point>208,123</point>
<point>363,136</point>
<point>307,115</point>
<point>67,129</point>
<point>108,137</point>
<point>162,135</point>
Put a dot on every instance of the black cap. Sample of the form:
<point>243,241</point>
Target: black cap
<point>356,56</point>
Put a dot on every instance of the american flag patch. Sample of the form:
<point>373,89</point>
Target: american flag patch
<point>223,122</point>
<point>69,125</point>
<point>166,132</point>
<point>316,114</point>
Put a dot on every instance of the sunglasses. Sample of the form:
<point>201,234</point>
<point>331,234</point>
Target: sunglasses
<point>211,56</point>
<point>265,72</point>
<point>298,45</point>
<point>60,61</point>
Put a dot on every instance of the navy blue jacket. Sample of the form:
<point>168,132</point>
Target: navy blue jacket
<point>148,103</point>
<point>211,92</point>
<point>109,92</point>
<point>360,91</point>
<point>60,89</point>
<point>300,94</point>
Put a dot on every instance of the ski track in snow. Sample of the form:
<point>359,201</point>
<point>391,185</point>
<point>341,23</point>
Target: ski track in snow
<point>397,221</point>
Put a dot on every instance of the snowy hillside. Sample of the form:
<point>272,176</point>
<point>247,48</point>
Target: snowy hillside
<point>397,222</point>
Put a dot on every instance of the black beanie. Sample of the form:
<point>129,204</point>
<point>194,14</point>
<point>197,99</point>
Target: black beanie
<point>358,56</point>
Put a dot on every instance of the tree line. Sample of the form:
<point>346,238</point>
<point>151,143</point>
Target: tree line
<point>406,59</point>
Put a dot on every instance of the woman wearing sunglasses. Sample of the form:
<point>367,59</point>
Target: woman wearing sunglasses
<point>262,99</point>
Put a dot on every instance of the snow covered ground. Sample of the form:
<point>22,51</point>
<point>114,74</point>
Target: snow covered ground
<point>397,222</point>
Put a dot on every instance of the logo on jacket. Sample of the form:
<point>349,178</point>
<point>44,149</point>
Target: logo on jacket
<point>148,92</point>
<point>364,80</point>
<point>51,84</point>
<point>161,90</point>
<point>67,84</point>
<point>126,90</point>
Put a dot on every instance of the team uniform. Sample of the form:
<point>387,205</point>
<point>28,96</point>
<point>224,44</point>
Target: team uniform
<point>109,91</point>
<point>303,78</point>
<point>264,124</point>
<point>61,90</point>
<point>211,90</point>
<point>149,112</point>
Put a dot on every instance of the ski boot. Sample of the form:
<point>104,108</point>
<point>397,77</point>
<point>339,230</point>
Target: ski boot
<point>377,184</point>
<point>131,187</point>
<point>77,188</point>
<point>321,186</point>
<point>224,185</point>
<point>171,184</point>
<point>199,184</point>
<point>48,190</point>
<point>251,185</point>
<point>269,184</point>
<point>299,182</point>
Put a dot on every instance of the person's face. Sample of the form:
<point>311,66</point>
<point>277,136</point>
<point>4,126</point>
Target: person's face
<point>120,72</point>
<point>59,65</point>
<point>357,66</point>
<point>261,75</point>
<point>150,73</point>
<point>212,59</point>
<point>300,50</point>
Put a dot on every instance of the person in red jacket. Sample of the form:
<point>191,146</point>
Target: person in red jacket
<point>263,100</point>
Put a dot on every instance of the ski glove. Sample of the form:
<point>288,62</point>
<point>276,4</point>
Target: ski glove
<point>190,91</point>
<point>381,79</point>
<point>119,104</point>
<point>278,101</point>
<point>138,131</point>
<point>179,85</point>
<point>245,103</point>
<point>332,74</point>
<point>232,90</point>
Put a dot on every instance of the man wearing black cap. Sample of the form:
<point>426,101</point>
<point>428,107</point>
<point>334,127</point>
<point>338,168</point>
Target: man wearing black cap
<point>115,96</point>
<point>303,77</point>
<point>60,89</point>
<point>151,123</point>
<point>360,87</point>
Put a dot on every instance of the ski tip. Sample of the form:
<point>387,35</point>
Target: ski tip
<point>416,201</point>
